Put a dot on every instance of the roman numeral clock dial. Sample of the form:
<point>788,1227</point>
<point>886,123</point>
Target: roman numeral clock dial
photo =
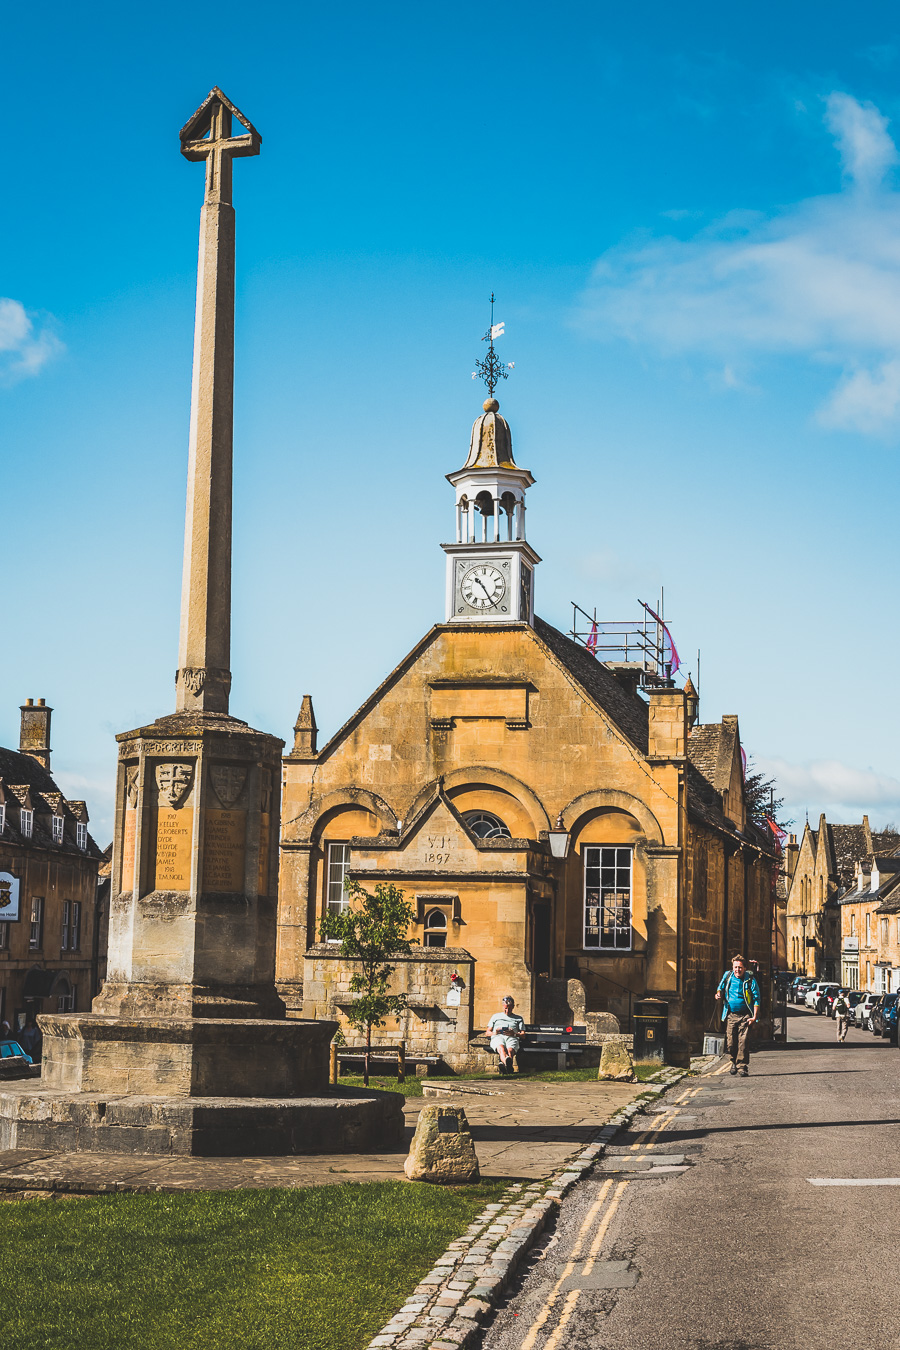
<point>483,586</point>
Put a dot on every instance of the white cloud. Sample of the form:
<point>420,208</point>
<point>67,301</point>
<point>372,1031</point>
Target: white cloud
<point>24,350</point>
<point>861,132</point>
<point>842,791</point>
<point>819,280</point>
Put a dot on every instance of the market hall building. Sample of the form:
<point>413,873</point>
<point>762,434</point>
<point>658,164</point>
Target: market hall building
<point>562,827</point>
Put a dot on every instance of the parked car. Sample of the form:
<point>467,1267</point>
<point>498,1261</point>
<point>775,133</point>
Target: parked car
<point>864,1008</point>
<point>889,1019</point>
<point>879,1014</point>
<point>16,1062</point>
<point>800,987</point>
<point>815,999</point>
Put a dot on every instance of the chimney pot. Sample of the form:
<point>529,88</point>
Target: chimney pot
<point>34,731</point>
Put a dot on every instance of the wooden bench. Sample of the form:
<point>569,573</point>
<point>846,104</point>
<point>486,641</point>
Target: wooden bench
<point>541,1038</point>
<point>392,1053</point>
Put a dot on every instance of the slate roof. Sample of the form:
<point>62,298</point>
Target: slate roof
<point>710,748</point>
<point>628,711</point>
<point>848,843</point>
<point>18,770</point>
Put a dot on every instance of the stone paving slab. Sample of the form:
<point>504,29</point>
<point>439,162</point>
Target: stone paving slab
<point>523,1131</point>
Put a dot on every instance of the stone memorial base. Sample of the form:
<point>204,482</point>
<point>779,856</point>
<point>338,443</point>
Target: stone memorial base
<point>339,1121</point>
<point>185,1057</point>
<point>192,1086</point>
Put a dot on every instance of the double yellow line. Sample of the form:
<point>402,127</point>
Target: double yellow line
<point>608,1201</point>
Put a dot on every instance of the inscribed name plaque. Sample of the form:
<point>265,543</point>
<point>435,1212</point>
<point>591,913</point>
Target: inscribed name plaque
<point>263,878</point>
<point>129,834</point>
<point>174,833</point>
<point>224,835</point>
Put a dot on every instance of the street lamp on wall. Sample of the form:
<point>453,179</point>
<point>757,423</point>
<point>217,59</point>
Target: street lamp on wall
<point>560,838</point>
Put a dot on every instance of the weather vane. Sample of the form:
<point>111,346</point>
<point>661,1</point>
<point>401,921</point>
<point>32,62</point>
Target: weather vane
<point>492,370</point>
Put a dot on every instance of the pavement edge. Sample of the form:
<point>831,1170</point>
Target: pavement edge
<point>448,1305</point>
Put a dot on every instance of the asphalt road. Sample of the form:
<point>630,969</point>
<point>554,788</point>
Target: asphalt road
<point>703,1230</point>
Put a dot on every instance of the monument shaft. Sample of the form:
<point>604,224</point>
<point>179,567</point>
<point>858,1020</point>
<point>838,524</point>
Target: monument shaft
<point>204,654</point>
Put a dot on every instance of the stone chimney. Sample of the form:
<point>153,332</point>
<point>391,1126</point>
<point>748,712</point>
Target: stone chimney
<point>791,852</point>
<point>305,729</point>
<point>667,724</point>
<point>34,733</point>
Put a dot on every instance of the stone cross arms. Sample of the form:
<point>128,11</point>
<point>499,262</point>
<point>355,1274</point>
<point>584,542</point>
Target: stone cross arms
<point>207,135</point>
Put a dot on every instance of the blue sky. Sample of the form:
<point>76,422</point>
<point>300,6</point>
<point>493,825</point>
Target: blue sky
<point>691,219</point>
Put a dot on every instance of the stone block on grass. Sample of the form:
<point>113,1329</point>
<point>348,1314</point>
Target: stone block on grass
<point>616,1064</point>
<point>442,1150</point>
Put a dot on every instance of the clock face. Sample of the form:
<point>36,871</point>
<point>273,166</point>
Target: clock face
<point>483,586</point>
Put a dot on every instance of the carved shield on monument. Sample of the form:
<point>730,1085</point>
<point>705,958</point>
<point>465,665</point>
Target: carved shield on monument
<point>174,782</point>
<point>228,781</point>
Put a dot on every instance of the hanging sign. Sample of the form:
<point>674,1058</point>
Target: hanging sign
<point>9,897</point>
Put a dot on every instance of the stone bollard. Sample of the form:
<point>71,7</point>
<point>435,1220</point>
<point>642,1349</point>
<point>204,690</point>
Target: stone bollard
<point>616,1063</point>
<point>442,1150</point>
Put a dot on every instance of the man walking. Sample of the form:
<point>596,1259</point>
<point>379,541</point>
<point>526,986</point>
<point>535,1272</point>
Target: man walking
<point>842,1015</point>
<point>739,993</point>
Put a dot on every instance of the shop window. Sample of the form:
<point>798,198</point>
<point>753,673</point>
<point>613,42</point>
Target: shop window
<point>435,928</point>
<point>486,826</point>
<point>607,898</point>
<point>65,1002</point>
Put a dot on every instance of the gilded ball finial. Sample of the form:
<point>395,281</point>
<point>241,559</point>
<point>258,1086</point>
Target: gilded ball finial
<point>491,405</point>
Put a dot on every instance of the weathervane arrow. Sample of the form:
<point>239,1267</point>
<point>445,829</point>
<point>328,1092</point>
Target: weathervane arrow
<point>492,370</point>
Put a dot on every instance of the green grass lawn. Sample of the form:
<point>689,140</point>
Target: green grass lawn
<point>321,1268</point>
<point>412,1086</point>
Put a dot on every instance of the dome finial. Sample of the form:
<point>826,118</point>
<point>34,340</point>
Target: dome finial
<point>491,405</point>
<point>492,369</point>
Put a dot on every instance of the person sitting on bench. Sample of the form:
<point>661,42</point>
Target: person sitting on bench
<point>504,1029</point>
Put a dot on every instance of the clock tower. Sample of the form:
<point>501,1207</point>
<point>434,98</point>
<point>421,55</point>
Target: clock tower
<point>490,568</point>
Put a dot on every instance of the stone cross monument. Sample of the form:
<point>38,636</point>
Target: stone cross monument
<point>188,1044</point>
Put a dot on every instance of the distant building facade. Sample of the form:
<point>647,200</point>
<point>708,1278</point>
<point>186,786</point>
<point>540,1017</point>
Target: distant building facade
<point>827,864</point>
<point>48,883</point>
<point>870,921</point>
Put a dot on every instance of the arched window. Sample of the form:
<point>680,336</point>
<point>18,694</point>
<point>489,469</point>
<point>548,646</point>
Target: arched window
<point>485,826</point>
<point>435,928</point>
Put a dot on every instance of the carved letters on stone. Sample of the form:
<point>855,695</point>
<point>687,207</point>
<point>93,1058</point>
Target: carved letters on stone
<point>228,781</point>
<point>166,748</point>
<point>174,783</point>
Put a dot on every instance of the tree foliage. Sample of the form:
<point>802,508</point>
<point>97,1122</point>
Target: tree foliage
<point>371,932</point>
<point>760,799</point>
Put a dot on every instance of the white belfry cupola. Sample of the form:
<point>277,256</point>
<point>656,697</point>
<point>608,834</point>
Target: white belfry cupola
<point>490,568</point>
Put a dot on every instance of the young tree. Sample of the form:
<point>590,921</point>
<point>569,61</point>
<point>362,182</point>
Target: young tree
<point>370,932</point>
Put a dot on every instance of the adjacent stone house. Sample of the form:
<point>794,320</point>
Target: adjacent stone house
<point>826,865</point>
<point>561,836</point>
<point>48,883</point>
<point>870,923</point>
